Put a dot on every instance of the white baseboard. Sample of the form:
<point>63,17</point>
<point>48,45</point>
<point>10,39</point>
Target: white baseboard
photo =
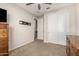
<point>20,45</point>
<point>54,43</point>
<point>39,39</point>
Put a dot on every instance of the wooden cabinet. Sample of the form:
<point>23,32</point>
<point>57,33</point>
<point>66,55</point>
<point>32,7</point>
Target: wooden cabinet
<point>3,39</point>
<point>72,45</point>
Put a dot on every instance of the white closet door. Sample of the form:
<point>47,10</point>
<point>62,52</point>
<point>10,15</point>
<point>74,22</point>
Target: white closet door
<point>57,28</point>
<point>52,28</point>
<point>61,28</point>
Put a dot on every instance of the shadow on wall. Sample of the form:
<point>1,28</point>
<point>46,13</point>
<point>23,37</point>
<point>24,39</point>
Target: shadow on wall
<point>10,37</point>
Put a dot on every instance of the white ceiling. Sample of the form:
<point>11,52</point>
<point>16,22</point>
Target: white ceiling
<point>33,8</point>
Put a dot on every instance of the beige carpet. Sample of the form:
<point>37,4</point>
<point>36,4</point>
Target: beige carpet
<point>38,48</point>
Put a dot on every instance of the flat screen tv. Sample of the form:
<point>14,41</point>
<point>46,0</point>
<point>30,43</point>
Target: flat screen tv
<point>3,15</point>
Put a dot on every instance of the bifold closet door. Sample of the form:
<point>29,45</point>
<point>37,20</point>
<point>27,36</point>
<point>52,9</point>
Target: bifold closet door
<point>57,28</point>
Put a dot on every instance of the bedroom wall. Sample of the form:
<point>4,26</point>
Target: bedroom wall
<point>77,22</point>
<point>19,35</point>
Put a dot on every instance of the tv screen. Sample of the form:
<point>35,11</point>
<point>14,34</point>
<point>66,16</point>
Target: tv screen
<point>3,15</point>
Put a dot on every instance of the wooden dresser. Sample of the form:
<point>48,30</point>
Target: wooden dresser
<point>72,45</point>
<point>3,39</point>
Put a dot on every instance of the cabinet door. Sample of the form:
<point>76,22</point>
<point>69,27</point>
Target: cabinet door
<point>3,45</point>
<point>3,39</point>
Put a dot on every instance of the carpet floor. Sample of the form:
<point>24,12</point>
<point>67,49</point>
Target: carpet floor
<point>38,48</point>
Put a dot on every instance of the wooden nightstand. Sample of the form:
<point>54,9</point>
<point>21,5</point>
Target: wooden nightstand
<point>72,45</point>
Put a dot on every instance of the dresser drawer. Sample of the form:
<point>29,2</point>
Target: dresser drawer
<point>2,26</point>
<point>4,54</point>
<point>3,45</point>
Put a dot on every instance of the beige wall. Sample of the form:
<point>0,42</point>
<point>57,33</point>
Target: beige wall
<point>18,34</point>
<point>77,21</point>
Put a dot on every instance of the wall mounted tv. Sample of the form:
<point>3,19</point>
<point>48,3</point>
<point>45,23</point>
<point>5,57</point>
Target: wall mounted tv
<point>3,15</point>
